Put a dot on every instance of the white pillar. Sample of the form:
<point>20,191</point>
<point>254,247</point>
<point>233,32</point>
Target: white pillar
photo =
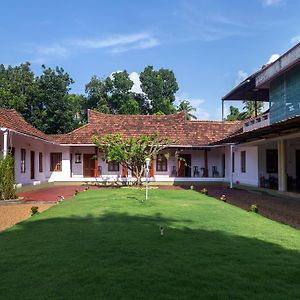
<point>230,167</point>
<point>282,179</point>
<point>5,141</point>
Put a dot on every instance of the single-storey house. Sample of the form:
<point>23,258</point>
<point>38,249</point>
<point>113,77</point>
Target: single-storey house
<point>263,151</point>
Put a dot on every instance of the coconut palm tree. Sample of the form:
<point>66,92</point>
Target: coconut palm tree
<point>186,106</point>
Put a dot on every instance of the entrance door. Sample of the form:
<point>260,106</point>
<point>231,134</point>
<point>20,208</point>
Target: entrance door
<point>88,165</point>
<point>184,167</point>
<point>32,165</point>
<point>298,168</point>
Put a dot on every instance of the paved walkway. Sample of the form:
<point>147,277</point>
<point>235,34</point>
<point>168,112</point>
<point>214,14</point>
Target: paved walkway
<point>50,194</point>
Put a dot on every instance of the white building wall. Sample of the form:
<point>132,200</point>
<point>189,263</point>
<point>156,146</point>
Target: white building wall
<point>250,177</point>
<point>65,173</point>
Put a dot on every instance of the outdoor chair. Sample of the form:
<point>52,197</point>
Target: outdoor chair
<point>174,171</point>
<point>196,172</point>
<point>215,172</point>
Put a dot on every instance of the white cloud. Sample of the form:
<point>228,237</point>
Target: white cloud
<point>118,43</point>
<point>242,75</point>
<point>272,2</point>
<point>135,77</point>
<point>54,50</point>
<point>295,40</point>
<point>273,57</point>
<point>113,44</point>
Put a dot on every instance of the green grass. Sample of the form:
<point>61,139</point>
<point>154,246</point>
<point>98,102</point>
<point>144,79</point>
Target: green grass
<point>106,244</point>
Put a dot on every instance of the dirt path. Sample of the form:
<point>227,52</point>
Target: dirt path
<point>10,214</point>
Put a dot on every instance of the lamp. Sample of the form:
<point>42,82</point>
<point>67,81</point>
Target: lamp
<point>147,163</point>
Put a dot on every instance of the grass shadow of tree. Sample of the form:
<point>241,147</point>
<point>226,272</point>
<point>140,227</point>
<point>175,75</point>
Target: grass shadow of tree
<point>119,256</point>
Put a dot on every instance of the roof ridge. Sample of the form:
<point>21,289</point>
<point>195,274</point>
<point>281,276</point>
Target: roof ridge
<point>139,115</point>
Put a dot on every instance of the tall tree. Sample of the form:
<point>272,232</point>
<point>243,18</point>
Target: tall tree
<point>51,110</point>
<point>160,88</point>
<point>234,114</point>
<point>121,100</point>
<point>97,97</point>
<point>17,87</point>
<point>186,106</point>
<point>252,108</point>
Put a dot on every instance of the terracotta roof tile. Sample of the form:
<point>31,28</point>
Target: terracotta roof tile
<point>9,118</point>
<point>175,127</point>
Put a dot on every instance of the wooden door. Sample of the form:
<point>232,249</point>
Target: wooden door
<point>32,165</point>
<point>88,165</point>
<point>180,168</point>
<point>184,166</point>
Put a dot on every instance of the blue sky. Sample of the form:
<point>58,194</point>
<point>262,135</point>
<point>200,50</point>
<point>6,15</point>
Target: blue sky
<point>209,44</point>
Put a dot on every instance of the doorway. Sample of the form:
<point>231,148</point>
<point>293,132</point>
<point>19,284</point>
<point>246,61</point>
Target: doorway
<point>88,165</point>
<point>184,166</point>
<point>32,165</point>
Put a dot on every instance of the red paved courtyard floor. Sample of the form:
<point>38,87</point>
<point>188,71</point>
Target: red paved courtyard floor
<point>50,194</point>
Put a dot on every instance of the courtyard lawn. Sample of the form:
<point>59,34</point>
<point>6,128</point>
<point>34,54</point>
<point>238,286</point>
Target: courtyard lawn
<point>106,244</point>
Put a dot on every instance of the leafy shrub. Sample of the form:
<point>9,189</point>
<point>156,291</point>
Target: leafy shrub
<point>34,210</point>
<point>7,178</point>
<point>254,208</point>
<point>223,198</point>
<point>204,191</point>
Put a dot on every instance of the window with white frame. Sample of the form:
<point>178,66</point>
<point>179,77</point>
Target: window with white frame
<point>23,160</point>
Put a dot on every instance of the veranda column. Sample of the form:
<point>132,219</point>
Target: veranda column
<point>282,180</point>
<point>205,163</point>
<point>96,163</point>
<point>5,141</point>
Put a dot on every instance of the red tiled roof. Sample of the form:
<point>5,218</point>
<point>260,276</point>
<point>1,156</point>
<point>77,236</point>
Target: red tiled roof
<point>12,120</point>
<point>175,127</point>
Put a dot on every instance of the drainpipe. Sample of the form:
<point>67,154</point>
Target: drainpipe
<point>231,170</point>
<point>5,141</point>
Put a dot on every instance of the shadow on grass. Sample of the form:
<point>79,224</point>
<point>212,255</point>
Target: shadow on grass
<point>117,256</point>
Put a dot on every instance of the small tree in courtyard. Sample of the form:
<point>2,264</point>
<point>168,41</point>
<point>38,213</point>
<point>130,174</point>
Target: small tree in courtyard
<point>7,178</point>
<point>131,152</point>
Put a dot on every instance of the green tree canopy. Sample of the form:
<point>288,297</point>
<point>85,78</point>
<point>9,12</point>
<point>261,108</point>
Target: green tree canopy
<point>186,106</point>
<point>160,88</point>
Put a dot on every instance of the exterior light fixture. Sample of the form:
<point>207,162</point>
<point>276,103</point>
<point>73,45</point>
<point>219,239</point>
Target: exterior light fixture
<point>147,165</point>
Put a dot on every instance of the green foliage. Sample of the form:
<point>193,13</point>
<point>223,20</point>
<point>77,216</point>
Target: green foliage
<point>250,110</point>
<point>131,152</point>
<point>44,101</point>
<point>17,87</point>
<point>51,110</point>
<point>7,178</point>
<point>160,88</point>
<point>204,191</point>
<point>34,210</point>
<point>254,208</point>
<point>234,114</point>
<point>186,106</point>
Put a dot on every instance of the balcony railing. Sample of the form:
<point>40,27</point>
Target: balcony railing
<point>257,122</point>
